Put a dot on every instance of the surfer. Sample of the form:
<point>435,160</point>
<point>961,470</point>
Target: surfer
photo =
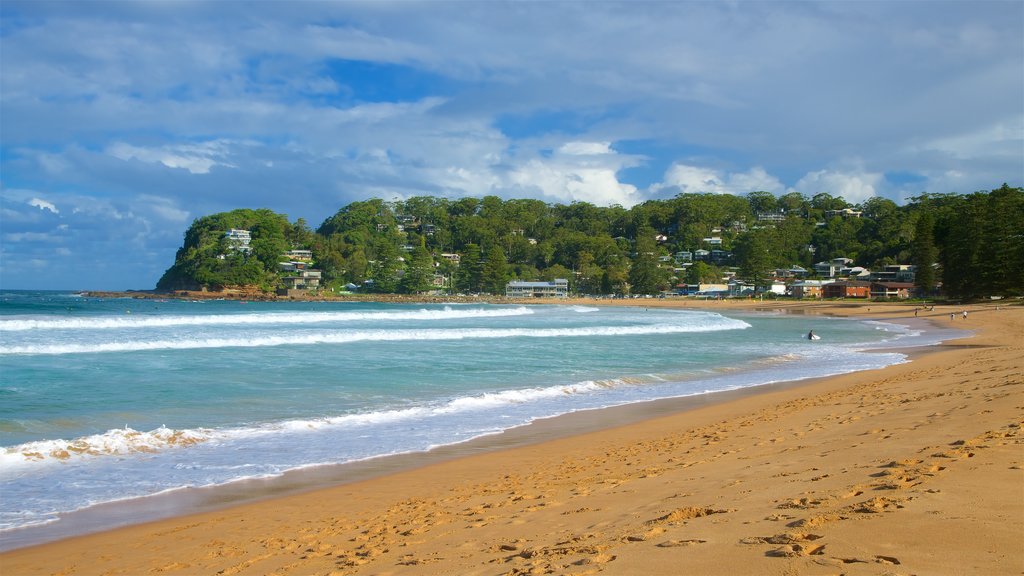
<point>811,336</point>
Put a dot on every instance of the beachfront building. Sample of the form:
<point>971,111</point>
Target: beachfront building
<point>807,288</point>
<point>900,290</point>
<point>895,273</point>
<point>847,289</point>
<point>558,288</point>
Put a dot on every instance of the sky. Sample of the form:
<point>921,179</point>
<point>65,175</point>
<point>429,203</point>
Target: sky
<point>122,122</point>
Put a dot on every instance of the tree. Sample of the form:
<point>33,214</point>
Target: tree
<point>924,253</point>
<point>384,270</point>
<point>645,277</point>
<point>703,273</point>
<point>469,276</point>
<point>495,271</point>
<point>419,273</point>
<point>753,253</point>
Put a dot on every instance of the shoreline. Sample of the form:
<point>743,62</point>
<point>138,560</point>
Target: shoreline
<point>186,501</point>
<point>538,436</point>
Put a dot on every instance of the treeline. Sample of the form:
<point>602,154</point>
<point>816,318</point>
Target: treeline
<point>972,245</point>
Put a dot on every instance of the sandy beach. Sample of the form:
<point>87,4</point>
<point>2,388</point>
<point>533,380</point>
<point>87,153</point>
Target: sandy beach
<point>917,468</point>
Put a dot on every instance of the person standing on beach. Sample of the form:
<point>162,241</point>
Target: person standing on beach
<point>965,314</point>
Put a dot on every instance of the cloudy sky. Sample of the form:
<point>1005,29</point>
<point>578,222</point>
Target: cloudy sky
<point>120,123</point>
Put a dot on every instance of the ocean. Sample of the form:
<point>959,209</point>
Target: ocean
<point>104,400</point>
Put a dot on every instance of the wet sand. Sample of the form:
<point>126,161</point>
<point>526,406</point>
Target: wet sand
<point>912,469</point>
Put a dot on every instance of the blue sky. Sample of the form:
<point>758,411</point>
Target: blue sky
<point>120,123</point>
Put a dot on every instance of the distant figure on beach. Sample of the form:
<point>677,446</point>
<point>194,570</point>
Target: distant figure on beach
<point>965,314</point>
<point>915,312</point>
<point>951,315</point>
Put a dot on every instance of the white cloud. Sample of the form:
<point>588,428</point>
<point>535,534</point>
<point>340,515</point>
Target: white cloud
<point>697,179</point>
<point>43,205</point>
<point>577,171</point>
<point>854,185</point>
<point>585,148</point>
<point>196,158</point>
<point>1002,138</point>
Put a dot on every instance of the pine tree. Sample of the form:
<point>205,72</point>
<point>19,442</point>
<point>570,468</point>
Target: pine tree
<point>495,271</point>
<point>470,272</point>
<point>419,273</point>
<point>924,253</point>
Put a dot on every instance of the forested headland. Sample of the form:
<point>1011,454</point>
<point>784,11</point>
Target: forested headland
<point>964,245</point>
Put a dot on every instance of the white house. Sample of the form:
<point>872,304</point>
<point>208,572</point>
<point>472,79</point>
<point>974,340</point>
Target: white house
<point>559,288</point>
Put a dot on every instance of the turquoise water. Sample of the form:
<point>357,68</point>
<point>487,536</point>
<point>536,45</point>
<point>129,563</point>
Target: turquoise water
<point>106,399</point>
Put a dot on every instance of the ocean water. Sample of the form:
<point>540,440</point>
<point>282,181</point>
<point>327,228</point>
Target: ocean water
<point>108,399</point>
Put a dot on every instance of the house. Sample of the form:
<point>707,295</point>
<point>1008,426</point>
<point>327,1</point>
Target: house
<point>302,280</point>
<point>844,213</point>
<point>713,241</point>
<point>720,256</point>
<point>701,254</point>
<point>807,288</point>
<point>299,255</point>
<point>832,268</point>
<point>451,257</point>
<point>846,289</point>
<point>684,256</point>
<point>739,288</point>
<point>558,288</point>
<point>901,290</point>
<point>238,239</point>
<point>713,290</point>
<point>895,273</point>
<point>772,216</point>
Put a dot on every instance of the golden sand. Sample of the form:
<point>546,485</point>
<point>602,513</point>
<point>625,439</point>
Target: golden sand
<point>912,469</point>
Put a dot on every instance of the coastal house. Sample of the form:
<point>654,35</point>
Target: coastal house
<point>298,255</point>
<point>832,268</point>
<point>238,239</point>
<point>846,289</point>
<point>895,273</point>
<point>558,288</point>
<point>900,290</point>
<point>844,213</point>
<point>772,216</point>
<point>720,257</point>
<point>807,288</point>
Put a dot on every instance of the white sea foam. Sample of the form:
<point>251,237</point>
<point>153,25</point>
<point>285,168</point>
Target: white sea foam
<point>705,324</point>
<point>274,318</point>
<point>119,441</point>
<point>123,441</point>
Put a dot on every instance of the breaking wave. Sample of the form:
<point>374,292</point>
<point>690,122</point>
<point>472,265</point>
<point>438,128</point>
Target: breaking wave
<point>349,336</point>
<point>124,441</point>
<point>275,318</point>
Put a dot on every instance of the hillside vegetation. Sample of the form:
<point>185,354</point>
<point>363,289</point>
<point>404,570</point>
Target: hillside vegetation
<point>970,244</point>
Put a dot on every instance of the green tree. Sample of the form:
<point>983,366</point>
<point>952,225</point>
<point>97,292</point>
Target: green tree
<point>419,273</point>
<point>469,277</point>
<point>495,271</point>
<point>384,270</point>
<point>645,277</point>
<point>753,254</point>
<point>924,253</point>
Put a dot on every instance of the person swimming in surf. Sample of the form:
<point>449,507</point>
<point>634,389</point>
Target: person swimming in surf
<point>810,335</point>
